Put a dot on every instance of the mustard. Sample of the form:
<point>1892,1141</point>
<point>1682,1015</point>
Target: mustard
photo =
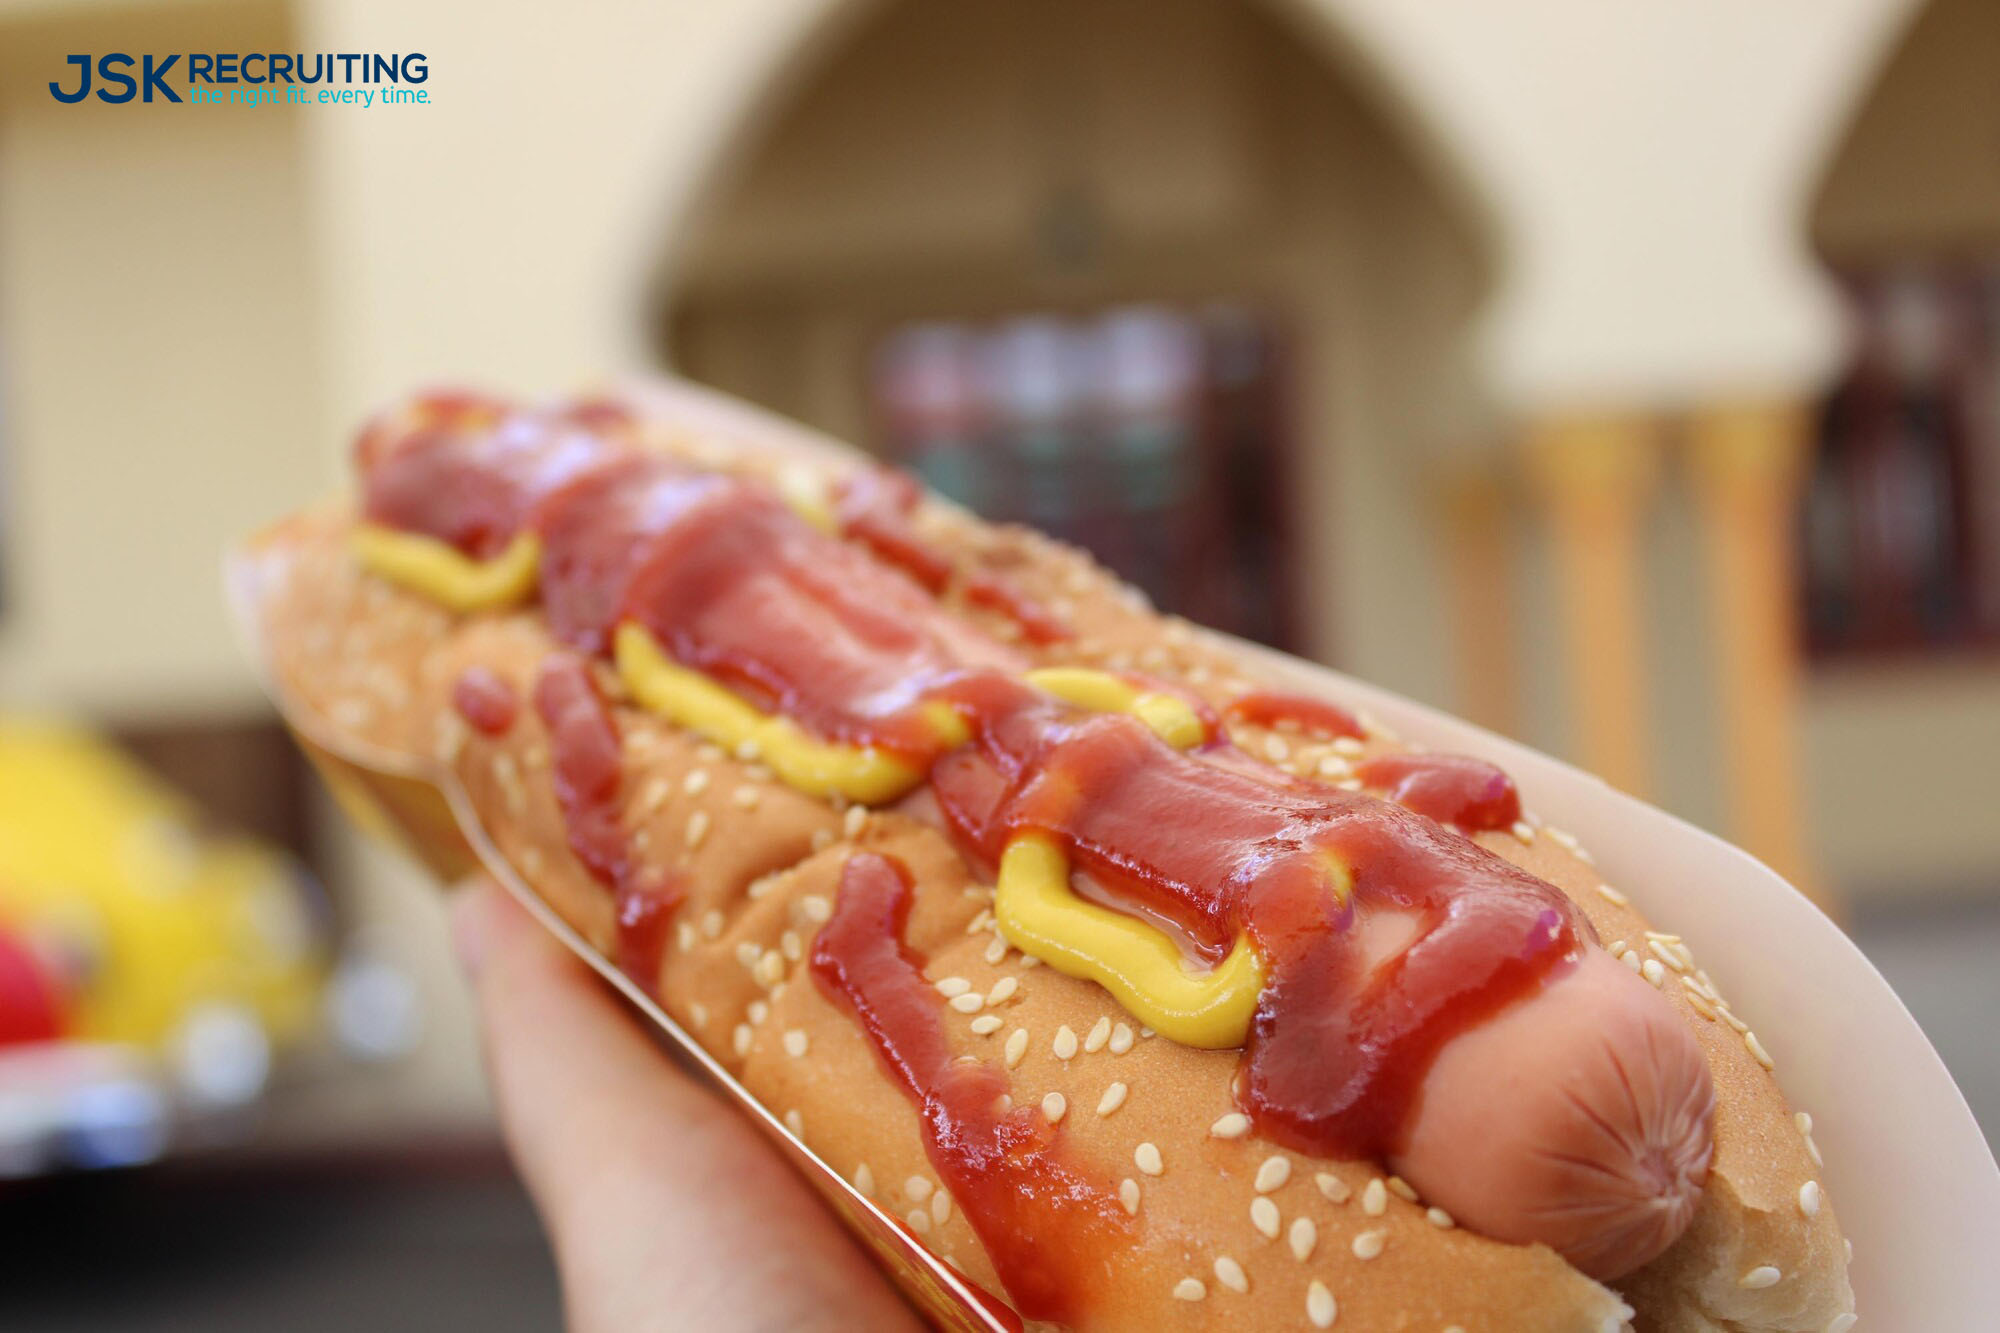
<point>1138,963</point>
<point>1171,717</point>
<point>818,768</point>
<point>436,570</point>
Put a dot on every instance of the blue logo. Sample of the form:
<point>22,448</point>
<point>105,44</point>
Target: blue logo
<point>255,79</point>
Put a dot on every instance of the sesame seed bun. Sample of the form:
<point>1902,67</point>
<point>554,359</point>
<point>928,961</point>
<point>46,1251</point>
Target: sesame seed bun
<point>1233,1231</point>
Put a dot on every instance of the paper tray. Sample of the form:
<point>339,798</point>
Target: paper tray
<point>1916,1185</point>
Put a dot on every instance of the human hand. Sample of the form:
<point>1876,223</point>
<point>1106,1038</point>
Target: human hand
<point>666,1209</point>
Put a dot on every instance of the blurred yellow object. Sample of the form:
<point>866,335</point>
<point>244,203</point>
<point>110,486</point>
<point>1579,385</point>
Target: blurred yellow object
<point>102,870</point>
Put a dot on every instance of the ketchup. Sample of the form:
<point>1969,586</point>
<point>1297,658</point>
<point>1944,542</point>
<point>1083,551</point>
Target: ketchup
<point>1048,1226</point>
<point>485,700</point>
<point>1266,708</point>
<point>1450,788</point>
<point>471,487</point>
<point>30,1006</point>
<point>1037,623</point>
<point>874,509</point>
<point>588,766</point>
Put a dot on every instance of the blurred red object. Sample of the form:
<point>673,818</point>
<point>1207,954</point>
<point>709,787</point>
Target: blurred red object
<point>30,1009</point>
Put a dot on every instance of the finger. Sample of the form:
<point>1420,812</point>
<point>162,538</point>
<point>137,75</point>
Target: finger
<point>666,1209</point>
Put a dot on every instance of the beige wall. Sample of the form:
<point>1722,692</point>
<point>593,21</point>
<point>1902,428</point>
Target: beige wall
<point>161,364</point>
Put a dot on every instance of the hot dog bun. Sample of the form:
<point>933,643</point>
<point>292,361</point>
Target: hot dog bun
<point>760,863</point>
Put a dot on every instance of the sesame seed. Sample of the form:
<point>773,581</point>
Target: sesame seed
<point>759,1011</point>
<point>796,1043</point>
<point>952,987</point>
<point>1700,1006</point>
<point>855,820</point>
<point>770,968</point>
<point>1065,1042</point>
<point>696,782</point>
<point>1333,766</point>
<point>1523,831</point>
<point>1128,1194</point>
<point>741,1038</point>
<point>1121,1039</point>
<point>1053,1106</point>
<point>1189,1289</point>
<point>997,950</point>
<point>1375,1198</point>
<point>986,1025</point>
<point>1147,1158</point>
<point>1264,1216</point>
<point>1003,991</point>
<point>1230,1274</point>
<point>864,1179</point>
<point>815,908</point>
<point>697,829</point>
<point>746,797</point>
<point>1100,1032</point>
<point>709,753</point>
<point>1728,1016</point>
<point>1029,960</point>
<point>1276,750</point>
<point>1274,1172</point>
<point>1809,1198</point>
<point>822,839</point>
<point>1439,1218</point>
<point>979,922</point>
<point>1757,1050</point>
<point>1333,1187</point>
<point>1763,1275</point>
<point>748,749</point>
<point>748,954</point>
<point>792,946</point>
<point>1349,746</point>
<point>1113,1098</point>
<point>940,1207</point>
<point>919,1220</point>
<point>1611,895</point>
<point>1804,1121</point>
<point>1630,958</point>
<point>1320,1307</point>
<point>1671,953</point>
<point>1812,1150</point>
<point>1231,1126</point>
<point>1017,1046</point>
<point>699,1013</point>
<point>968,1003</point>
<point>1651,970</point>
<point>1304,1235</point>
<point>1369,1244</point>
<point>918,1188</point>
<point>1401,1189</point>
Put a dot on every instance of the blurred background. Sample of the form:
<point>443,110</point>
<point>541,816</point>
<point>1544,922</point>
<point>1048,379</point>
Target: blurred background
<point>1626,378</point>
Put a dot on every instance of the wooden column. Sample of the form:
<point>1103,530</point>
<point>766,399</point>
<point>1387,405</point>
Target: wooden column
<point>1747,464</point>
<point>1478,542</point>
<point>1594,476</point>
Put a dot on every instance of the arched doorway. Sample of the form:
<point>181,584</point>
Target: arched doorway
<point>1166,245</point>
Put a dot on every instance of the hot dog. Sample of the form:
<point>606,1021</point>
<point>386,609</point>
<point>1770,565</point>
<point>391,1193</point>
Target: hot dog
<point>1376,971</point>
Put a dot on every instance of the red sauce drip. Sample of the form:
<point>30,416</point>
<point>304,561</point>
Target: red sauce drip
<point>471,487</point>
<point>1038,624</point>
<point>1267,708</point>
<point>588,768</point>
<point>874,509</point>
<point>1047,1225</point>
<point>485,700</point>
<point>1336,1050</point>
<point>1450,788</point>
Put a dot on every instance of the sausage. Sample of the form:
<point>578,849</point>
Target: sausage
<point>1579,1117</point>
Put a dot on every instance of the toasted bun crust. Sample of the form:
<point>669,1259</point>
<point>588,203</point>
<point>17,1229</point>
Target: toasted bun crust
<point>377,665</point>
